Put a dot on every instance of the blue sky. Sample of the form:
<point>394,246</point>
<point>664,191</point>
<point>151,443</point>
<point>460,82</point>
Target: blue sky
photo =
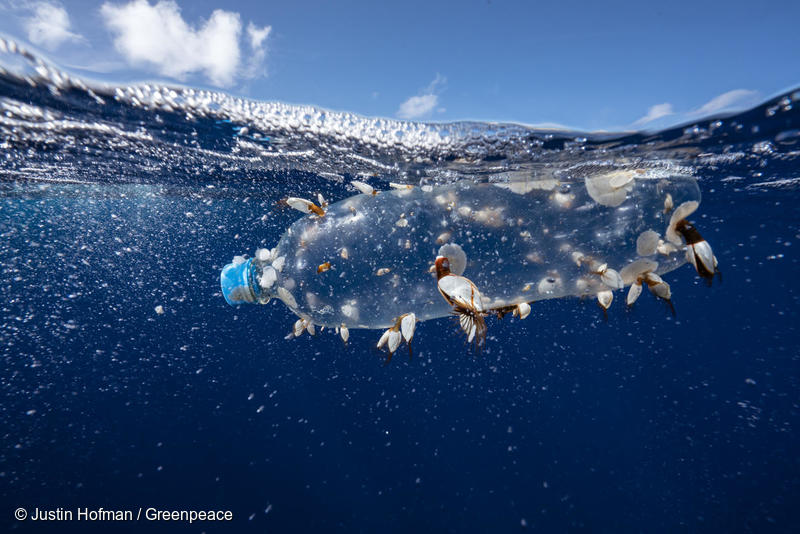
<point>589,65</point>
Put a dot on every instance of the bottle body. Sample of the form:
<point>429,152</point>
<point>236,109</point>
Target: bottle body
<point>368,259</point>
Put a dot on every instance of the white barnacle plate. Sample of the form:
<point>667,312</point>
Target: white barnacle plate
<point>634,270</point>
<point>522,310</point>
<point>458,258</point>
<point>647,243</point>
<point>263,254</point>
<point>681,212</point>
<point>610,189</point>
<point>702,251</point>
<point>633,293</point>
<point>514,243</point>
<point>612,279</point>
<point>364,188</point>
<point>604,298</point>
<point>462,292</point>
<point>407,326</point>
<point>268,277</point>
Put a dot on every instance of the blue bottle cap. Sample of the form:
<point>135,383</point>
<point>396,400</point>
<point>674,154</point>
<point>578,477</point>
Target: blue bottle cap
<point>236,282</point>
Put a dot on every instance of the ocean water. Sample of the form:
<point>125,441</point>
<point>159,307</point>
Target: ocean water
<point>117,200</point>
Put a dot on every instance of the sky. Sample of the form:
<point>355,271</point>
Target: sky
<point>588,65</point>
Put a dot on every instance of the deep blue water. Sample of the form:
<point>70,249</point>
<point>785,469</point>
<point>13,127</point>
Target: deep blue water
<point>564,422</point>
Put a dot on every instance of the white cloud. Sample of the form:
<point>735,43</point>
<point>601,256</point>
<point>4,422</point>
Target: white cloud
<point>258,51</point>
<point>49,25</point>
<point>732,100</point>
<point>257,35</point>
<point>422,105</point>
<point>738,98</point>
<point>654,113</point>
<point>158,36</point>
<point>417,106</point>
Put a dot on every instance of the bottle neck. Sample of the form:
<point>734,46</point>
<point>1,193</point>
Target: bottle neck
<point>239,283</point>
